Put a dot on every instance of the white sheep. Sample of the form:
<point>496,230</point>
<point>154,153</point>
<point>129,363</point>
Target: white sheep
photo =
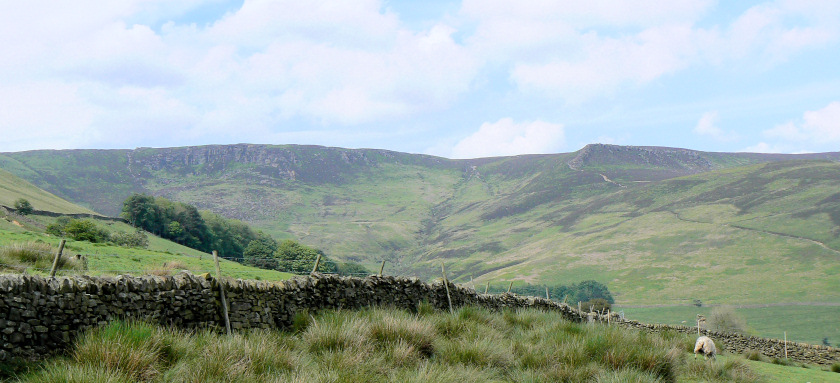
<point>705,346</point>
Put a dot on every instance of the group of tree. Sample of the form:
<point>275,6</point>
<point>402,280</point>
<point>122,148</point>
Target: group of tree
<point>185,224</point>
<point>233,239</point>
<point>88,230</point>
<point>294,257</point>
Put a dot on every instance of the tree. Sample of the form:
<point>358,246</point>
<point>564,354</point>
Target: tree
<point>260,252</point>
<point>142,211</point>
<point>297,258</point>
<point>589,290</point>
<point>23,206</point>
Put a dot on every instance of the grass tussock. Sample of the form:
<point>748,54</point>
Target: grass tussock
<point>379,345</point>
<point>35,254</point>
<point>166,269</point>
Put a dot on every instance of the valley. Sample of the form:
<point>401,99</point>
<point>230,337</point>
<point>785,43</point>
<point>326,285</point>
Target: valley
<point>657,225</point>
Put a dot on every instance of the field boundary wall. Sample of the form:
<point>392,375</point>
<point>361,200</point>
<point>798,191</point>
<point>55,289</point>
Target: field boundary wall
<point>41,316</point>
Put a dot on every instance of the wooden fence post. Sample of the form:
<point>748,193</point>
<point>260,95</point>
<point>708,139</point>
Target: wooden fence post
<point>317,263</point>
<point>510,286</point>
<point>487,287</point>
<point>546,293</point>
<point>222,291</point>
<point>786,345</point>
<point>382,268</point>
<point>57,257</point>
<point>446,283</point>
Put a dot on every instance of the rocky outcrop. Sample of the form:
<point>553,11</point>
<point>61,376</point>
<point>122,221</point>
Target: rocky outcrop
<point>674,159</point>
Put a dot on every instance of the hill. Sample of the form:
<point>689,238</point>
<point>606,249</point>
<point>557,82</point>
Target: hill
<point>13,187</point>
<point>653,223</point>
<point>27,234</point>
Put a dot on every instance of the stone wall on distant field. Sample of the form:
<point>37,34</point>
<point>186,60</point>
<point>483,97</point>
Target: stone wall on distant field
<point>742,344</point>
<point>39,316</point>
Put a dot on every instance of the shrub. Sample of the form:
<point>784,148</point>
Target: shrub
<point>85,230</point>
<point>599,305</point>
<point>23,206</point>
<point>136,239</point>
<point>835,367</point>
<point>726,319</point>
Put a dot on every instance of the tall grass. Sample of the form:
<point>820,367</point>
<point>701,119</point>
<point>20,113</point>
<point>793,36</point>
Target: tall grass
<point>34,254</point>
<point>382,345</point>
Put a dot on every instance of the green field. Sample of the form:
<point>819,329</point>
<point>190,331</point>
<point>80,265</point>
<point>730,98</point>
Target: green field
<point>13,187</point>
<point>807,324</point>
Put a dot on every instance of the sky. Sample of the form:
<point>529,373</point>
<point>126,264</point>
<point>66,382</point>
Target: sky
<point>458,79</point>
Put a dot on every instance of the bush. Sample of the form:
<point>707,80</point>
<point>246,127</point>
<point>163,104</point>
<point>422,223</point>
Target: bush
<point>136,239</point>
<point>727,320</point>
<point>835,367</point>
<point>352,269</point>
<point>599,305</point>
<point>23,206</point>
<point>85,230</point>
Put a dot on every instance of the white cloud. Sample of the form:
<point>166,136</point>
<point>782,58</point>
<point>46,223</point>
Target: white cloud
<point>324,62</point>
<point>277,67</point>
<point>773,31</point>
<point>708,126</point>
<point>763,147</point>
<point>506,137</point>
<point>817,127</point>
<point>562,50</point>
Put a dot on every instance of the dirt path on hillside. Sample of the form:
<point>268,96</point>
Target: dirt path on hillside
<point>823,245</point>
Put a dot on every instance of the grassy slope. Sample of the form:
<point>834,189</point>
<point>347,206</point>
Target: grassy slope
<point>105,259</point>
<point>526,218</point>
<point>13,187</point>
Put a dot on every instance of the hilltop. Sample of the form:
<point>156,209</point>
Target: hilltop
<point>650,222</point>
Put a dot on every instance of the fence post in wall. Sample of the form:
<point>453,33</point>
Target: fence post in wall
<point>546,293</point>
<point>446,284</point>
<point>786,345</point>
<point>222,291</point>
<point>382,268</point>
<point>57,257</point>
<point>317,263</point>
<point>510,286</point>
<point>487,287</point>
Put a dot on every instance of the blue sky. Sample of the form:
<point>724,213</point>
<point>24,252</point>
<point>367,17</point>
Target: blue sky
<point>457,79</point>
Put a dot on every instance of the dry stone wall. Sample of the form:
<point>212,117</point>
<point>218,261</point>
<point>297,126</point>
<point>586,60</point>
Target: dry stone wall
<point>742,344</point>
<point>39,316</point>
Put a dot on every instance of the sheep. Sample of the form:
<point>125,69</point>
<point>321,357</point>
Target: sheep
<point>705,346</point>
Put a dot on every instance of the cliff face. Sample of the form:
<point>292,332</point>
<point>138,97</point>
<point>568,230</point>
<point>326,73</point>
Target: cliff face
<point>310,164</point>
